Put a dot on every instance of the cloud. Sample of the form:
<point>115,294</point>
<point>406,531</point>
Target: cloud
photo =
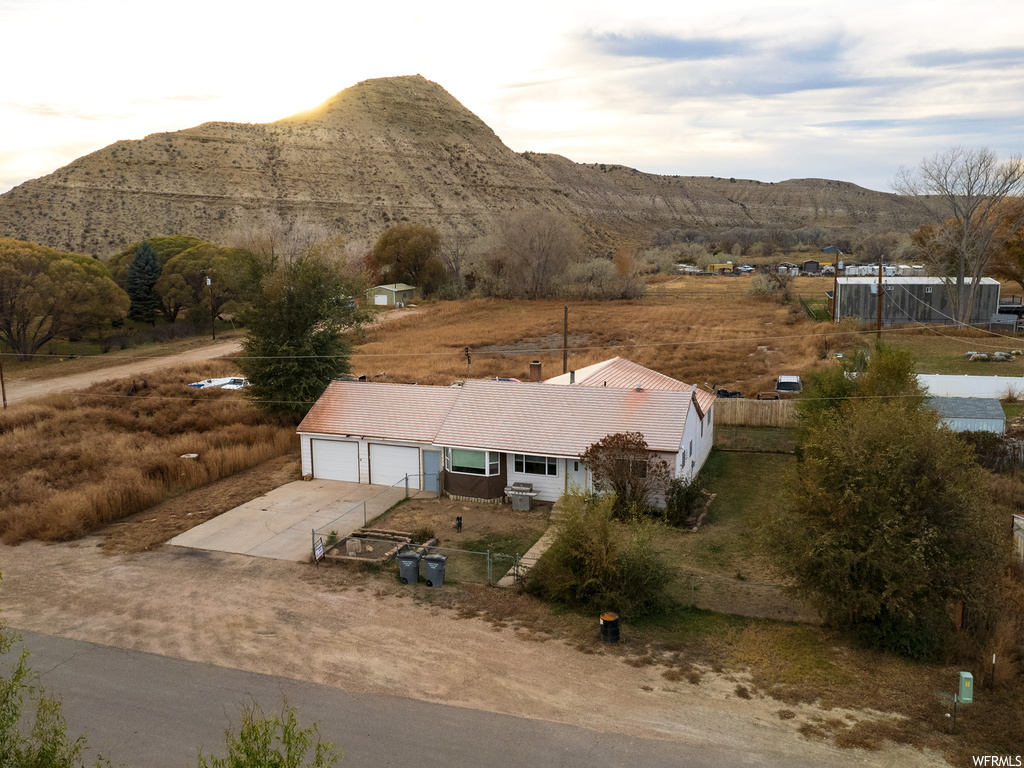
<point>53,110</point>
<point>936,125</point>
<point>952,57</point>
<point>180,97</point>
<point>665,47</point>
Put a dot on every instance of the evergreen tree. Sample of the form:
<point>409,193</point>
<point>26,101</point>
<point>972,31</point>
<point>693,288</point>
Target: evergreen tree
<point>294,346</point>
<point>142,276</point>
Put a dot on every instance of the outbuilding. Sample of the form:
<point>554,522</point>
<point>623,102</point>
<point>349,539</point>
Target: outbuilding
<point>393,295</point>
<point>907,300</point>
<point>970,414</point>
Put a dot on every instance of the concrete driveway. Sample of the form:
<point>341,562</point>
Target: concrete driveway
<point>278,524</point>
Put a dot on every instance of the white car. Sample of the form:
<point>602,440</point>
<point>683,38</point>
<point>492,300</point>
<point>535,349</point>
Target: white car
<point>235,382</point>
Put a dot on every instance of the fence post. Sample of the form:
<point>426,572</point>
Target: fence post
<point>489,580</point>
<point>312,537</point>
<point>364,514</point>
<point>407,485</point>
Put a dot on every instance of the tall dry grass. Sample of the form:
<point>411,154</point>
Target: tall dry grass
<point>75,462</point>
<point>693,329</point>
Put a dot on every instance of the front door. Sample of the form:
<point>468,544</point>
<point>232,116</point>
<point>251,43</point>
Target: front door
<point>575,476</point>
<point>431,470</point>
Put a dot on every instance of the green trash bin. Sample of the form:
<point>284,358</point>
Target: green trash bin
<point>433,569</point>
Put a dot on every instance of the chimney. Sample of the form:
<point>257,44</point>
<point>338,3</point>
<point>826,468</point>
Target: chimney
<point>535,370</point>
<point>639,387</point>
<point>572,377</point>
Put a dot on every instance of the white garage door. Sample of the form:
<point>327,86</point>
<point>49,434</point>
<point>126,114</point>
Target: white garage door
<point>335,460</point>
<point>391,463</point>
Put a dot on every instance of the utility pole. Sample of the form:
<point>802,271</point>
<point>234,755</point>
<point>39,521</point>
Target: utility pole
<point>879,298</point>
<point>835,287</point>
<point>565,342</point>
<point>3,387</point>
<point>213,313</point>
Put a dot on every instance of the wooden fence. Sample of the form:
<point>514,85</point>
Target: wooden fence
<point>755,413</point>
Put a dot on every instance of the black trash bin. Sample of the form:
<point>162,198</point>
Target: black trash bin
<point>433,572</point>
<point>609,627</point>
<point>409,567</point>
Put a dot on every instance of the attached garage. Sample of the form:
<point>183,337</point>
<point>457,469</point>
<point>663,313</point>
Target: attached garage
<point>390,464</point>
<point>335,460</point>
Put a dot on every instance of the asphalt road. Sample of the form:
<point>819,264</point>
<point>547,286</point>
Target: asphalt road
<point>146,711</point>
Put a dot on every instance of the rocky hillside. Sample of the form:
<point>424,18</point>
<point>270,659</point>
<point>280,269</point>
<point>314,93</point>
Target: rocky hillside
<point>382,151</point>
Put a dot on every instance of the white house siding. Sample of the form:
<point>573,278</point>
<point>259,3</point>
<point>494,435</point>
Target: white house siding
<point>701,444</point>
<point>548,487</point>
<point>948,385</point>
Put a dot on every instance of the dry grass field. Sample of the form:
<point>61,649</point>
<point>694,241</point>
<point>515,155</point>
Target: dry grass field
<point>75,462</point>
<point>694,329</point>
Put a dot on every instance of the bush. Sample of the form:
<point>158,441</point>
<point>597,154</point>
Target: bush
<point>684,500</point>
<point>586,566</point>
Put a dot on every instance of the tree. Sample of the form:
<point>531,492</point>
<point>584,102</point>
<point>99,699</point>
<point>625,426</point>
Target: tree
<point>273,741</point>
<point>591,564</point>
<point>45,742</point>
<point>294,346</point>
<point>408,253</point>
<point>973,199</point>
<point>142,276</point>
<point>45,294</point>
<point>623,465</point>
<point>884,526</point>
<point>182,285</point>
<point>536,247</point>
<point>1008,263</point>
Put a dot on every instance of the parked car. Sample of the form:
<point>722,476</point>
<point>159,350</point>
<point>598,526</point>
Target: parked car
<point>789,385</point>
<point>230,382</point>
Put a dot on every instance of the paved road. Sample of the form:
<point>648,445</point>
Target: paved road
<point>22,390</point>
<point>146,711</point>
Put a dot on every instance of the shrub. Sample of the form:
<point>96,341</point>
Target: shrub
<point>587,567</point>
<point>683,500</point>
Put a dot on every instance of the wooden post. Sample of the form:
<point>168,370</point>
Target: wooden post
<point>3,387</point>
<point>565,342</point>
<point>835,288</point>
<point>213,313</point>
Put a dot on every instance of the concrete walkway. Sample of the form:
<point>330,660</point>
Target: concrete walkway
<point>278,524</point>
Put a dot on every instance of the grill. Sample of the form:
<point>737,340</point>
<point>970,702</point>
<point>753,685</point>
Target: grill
<point>521,495</point>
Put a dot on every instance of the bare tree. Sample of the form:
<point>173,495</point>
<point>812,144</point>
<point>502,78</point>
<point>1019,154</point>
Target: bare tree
<point>974,200</point>
<point>537,246</point>
<point>454,253</point>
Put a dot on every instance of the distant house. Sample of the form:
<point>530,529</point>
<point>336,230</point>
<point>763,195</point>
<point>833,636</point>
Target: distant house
<point>486,435</point>
<point>393,295</point>
<point>911,300</point>
<point>970,414</point>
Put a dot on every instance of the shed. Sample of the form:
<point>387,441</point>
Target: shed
<point>812,266</point>
<point>970,414</point>
<point>392,295</point>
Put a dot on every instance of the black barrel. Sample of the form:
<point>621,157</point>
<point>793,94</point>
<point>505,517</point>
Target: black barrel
<point>609,627</point>
<point>409,567</point>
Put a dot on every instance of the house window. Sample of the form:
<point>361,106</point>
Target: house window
<point>536,465</point>
<point>471,462</point>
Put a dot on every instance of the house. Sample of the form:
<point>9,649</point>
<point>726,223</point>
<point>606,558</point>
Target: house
<point>486,435</point>
<point>392,295</point>
<point>970,414</point>
<point>911,300</point>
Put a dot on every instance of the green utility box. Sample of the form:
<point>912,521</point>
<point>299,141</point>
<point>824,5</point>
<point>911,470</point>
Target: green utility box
<point>966,695</point>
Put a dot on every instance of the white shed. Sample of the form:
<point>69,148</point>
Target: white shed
<point>970,414</point>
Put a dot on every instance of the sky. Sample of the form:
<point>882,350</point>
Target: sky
<point>734,88</point>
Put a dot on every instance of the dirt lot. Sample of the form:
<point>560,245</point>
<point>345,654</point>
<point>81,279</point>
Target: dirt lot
<point>364,633</point>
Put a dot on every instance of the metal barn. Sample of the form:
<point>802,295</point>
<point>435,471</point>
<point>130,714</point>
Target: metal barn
<point>912,300</point>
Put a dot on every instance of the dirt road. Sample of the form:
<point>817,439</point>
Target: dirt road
<point>21,389</point>
<point>363,634</point>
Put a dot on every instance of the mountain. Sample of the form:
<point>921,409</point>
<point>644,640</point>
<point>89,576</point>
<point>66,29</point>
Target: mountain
<point>385,151</point>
